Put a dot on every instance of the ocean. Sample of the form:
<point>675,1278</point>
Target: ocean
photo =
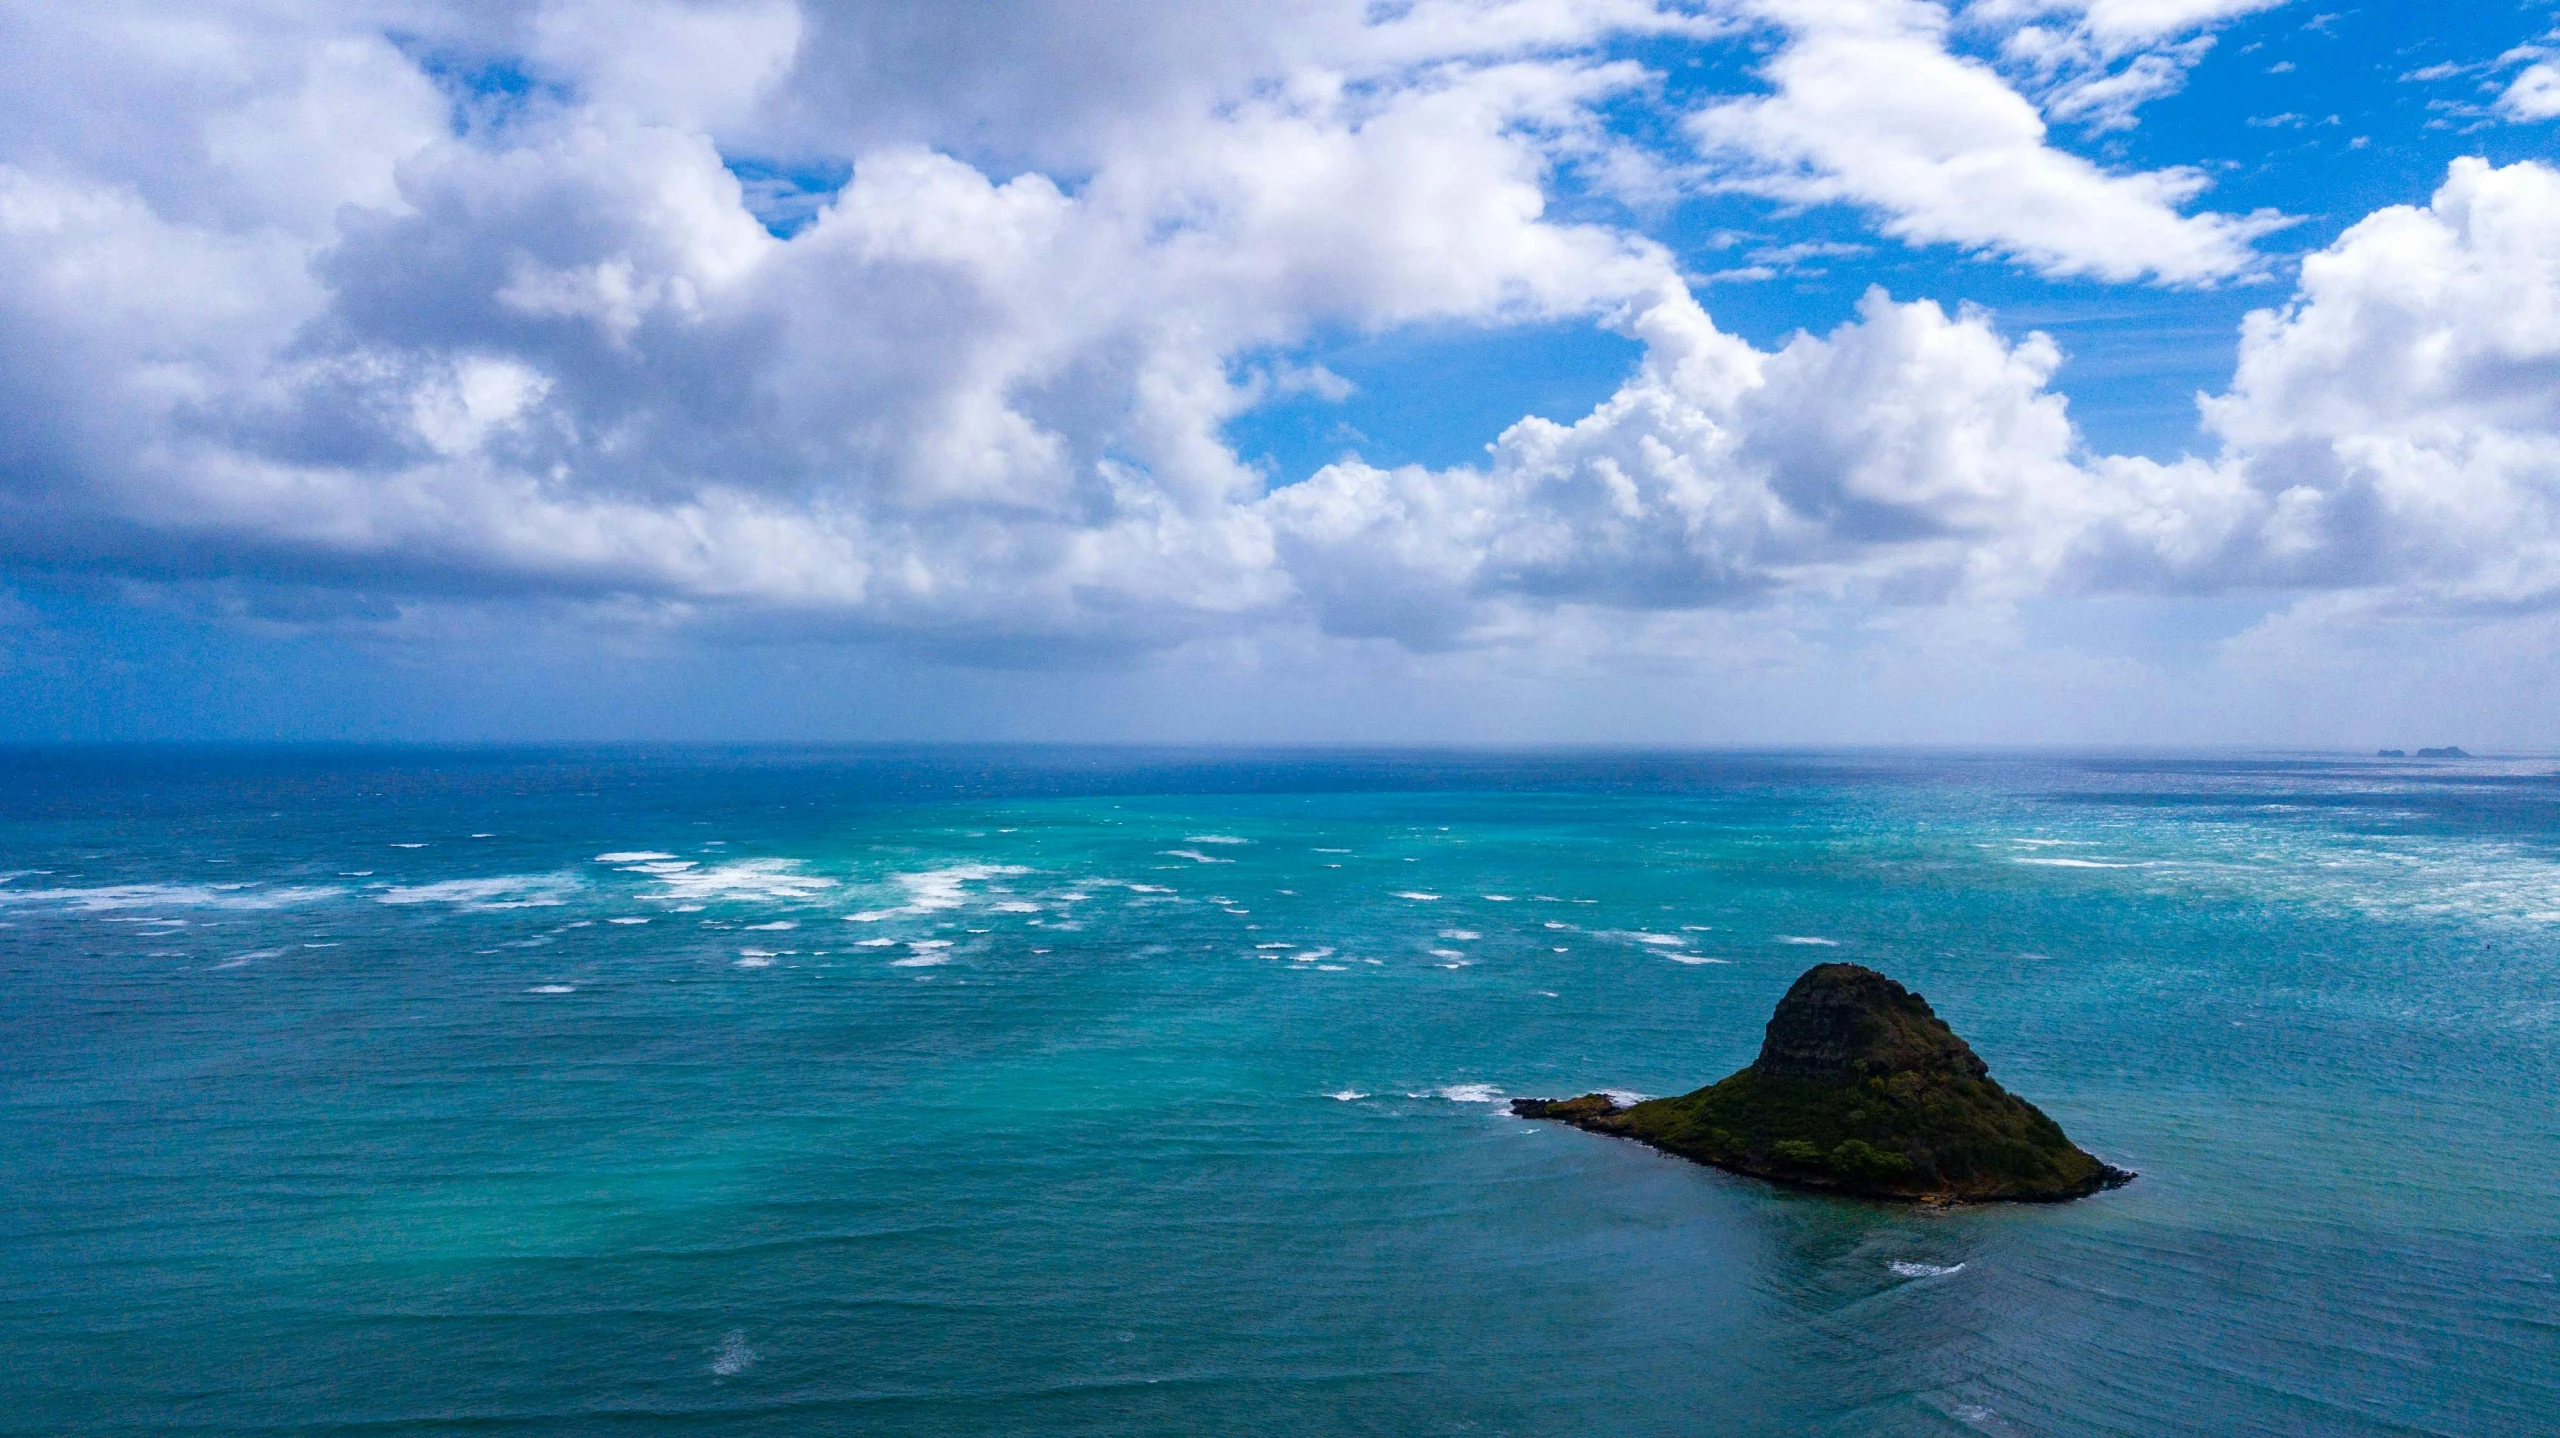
<point>960,1091</point>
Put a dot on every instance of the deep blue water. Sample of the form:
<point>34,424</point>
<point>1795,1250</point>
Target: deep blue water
<point>1013,1091</point>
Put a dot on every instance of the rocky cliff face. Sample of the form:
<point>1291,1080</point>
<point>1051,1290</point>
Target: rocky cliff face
<point>1860,1087</point>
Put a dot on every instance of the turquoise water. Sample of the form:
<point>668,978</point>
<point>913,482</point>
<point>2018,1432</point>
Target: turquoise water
<point>1057,1092</point>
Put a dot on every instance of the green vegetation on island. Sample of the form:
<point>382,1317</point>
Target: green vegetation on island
<point>1859,1088</point>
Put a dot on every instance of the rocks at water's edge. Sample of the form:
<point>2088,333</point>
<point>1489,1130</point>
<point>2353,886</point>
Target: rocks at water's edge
<point>1860,1089</point>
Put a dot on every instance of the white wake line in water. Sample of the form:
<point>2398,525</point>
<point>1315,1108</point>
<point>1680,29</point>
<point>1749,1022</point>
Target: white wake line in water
<point>110,897</point>
<point>2077,864</point>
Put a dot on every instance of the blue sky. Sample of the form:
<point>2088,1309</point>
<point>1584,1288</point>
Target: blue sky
<point>1701,371</point>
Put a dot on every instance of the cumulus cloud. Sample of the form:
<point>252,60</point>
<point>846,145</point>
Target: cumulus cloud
<point>398,319</point>
<point>2397,426</point>
<point>2392,433</point>
<point>560,352</point>
<point>1870,107</point>
<point>1899,457</point>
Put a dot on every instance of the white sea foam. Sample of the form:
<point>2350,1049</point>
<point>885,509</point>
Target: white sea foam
<point>734,1357</point>
<point>1016,906</point>
<point>1418,896</point>
<point>935,890</point>
<point>1347,1095</point>
<point>1448,953</point>
<point>1333,851</point>
<point>504,891</point>
<point>1275,946</point>
<point>1149,889</point>
<point>1672,941</point>
<point>875,943</point>
<point>111,897</point>
<point>408,846</point>
<point>553,989</point>
<point>771,880</point>
<point>1461,935</point>
<point>1194,856</point>
<point>1903,1268</point>
<point>1695,959</point>
<point>754,959</point>
<point>921,961</point>
<point>1472,1093</point>
<point>1625,1097</point>
<point>1496,898</point>
<point>627,919</point>
<point>1808,939</point>
<point>661,867</point>
<point>775,926</point>
<point>632,856</point>
<point>1213,839</point>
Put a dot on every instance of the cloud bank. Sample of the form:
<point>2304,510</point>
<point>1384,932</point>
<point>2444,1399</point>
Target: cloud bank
<point>465,301</point>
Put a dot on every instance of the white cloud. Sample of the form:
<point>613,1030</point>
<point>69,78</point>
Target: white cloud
<point>1905,456</point>
<point>2532,95</point>
<point>969,404</point>
<point>1871,108</point>
<point>2118,26</point>
<point>559,352</point>
<point>2396,428</point>
<point>2393,433</point>
<point>2096,62</point>
<point>686,63</point>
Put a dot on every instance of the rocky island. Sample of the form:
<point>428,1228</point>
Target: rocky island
<point>1860,1089</point>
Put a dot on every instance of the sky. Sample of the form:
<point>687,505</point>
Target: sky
<point>1739,372</point>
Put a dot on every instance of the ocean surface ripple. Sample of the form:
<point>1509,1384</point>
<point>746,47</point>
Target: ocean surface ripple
<point>1012,1091</point>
